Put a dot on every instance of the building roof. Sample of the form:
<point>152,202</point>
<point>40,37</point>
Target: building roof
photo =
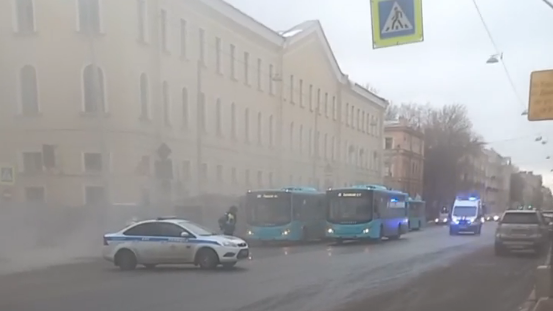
<point>290,36</point>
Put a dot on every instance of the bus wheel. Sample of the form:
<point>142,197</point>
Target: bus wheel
<point>398,235</point>
<point>381,233</point>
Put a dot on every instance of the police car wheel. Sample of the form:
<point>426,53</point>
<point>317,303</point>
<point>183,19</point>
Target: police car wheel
<point>207,259</point>
<point>126,260</point>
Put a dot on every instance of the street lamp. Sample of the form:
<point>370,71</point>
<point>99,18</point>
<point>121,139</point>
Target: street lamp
<point>495,58</point>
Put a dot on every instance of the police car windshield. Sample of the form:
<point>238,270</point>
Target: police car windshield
<point>464,211</point>
<point>196,229</point>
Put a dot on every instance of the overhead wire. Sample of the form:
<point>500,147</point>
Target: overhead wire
<point>498,51</point>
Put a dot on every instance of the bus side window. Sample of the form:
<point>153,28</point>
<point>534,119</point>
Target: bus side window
<point>377,204</point>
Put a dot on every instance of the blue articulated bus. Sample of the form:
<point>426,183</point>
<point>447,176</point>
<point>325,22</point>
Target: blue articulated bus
<point>416,211</point>
<point>366,212</point>
<point>287,214</point>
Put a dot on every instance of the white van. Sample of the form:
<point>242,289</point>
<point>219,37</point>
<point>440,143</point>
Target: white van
<point>466,216</point>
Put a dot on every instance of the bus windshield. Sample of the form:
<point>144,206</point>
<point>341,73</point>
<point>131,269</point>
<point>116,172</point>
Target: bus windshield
<point>349,209</point>
<point>464,211</point>
<point>268,210</point>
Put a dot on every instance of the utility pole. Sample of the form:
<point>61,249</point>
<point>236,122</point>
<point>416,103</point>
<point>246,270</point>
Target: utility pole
<point>99,101</point>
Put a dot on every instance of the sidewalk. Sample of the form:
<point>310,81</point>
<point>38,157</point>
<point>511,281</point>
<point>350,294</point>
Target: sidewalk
<point>544,304</point>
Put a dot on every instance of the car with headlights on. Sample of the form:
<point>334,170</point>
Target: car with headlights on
<point>169,240</point>
<point>521,230</point>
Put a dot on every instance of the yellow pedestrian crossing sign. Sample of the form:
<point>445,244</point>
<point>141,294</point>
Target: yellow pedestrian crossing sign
<point>396,22</point>
<point>7,175</point>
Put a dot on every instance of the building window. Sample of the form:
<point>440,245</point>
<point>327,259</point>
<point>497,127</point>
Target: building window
<point>25,11</point>
<point>271,182</point>
<point>247,177</point>
<point>93,84</point>
<point>183,37</point>
<point>300,147</point>
<point>204,174</point>
<point>332,147</point>
<point>233,175</point>
<point>142,15</point>
<point>232,61</point>
<point>144,96</point>
<point>29,90</point>
<point>218,65</point>
<point>202,45</point>
<point>325,146</point>
<point>346,115</point>
<point>301,92</point>
<point>218,117</point>
<point>318,104</point>
<point>271,80</point>
<point>185,108</point>
<point>259,129</point>
<point>309,142</point>
<point>247,68</point>
<point>310,96</point>
<point>233,120</point>
<point>334,108</point>
<point>92,162</point>
<point>357,119</point>
<point>219,173</point>
<point>363,123</point>
<point>259,74</point>
<point>247,125</point>
<point>260,179</point>
<point>164,28</point>
<point>291,136</point>
<point>292,89</point>
<point>32,162</point>
<point>35,194</point>
<point>271,142</point>
<point>89,16</point>
<point>166,104</point>
<point>326,105</point>
<point>186,170</point>
<point>202,116</point>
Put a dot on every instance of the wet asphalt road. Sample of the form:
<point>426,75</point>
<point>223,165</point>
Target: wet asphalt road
<point>309,277</point>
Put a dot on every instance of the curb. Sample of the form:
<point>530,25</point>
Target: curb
<point>530,303</point>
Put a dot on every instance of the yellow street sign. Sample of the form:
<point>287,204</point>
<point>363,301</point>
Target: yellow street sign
<point>540,103</point>
<point>7,175</point>
<point>396,22</point>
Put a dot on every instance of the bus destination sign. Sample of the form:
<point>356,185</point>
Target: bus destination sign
<point>350,194</point>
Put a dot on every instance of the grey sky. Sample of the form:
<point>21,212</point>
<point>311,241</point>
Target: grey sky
<point>449,66</point>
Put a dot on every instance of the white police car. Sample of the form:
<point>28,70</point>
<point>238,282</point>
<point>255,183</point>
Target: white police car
<point>172,241</point>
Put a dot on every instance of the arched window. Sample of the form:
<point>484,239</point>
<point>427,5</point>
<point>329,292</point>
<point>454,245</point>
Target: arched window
<point>144,96</point>
<point>93,85</point>
<point>29,90</point>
